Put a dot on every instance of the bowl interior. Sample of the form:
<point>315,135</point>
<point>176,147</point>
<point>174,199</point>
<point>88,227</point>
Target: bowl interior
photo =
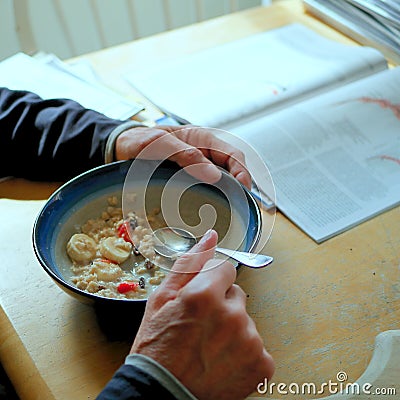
<point>86,196</point>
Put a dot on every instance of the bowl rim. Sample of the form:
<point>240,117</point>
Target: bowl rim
<point>93,296</point>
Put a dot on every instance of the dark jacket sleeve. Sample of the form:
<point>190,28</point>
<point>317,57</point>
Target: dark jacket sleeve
<point>130,382</point>
<point>52,140</point>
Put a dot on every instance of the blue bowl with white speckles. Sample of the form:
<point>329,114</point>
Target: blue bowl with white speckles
<point>83,197</point>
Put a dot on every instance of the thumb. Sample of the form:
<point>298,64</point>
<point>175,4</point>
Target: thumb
<point>188,265</point>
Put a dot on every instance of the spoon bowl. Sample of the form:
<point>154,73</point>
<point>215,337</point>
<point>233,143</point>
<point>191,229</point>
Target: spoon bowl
<point>173,242</point>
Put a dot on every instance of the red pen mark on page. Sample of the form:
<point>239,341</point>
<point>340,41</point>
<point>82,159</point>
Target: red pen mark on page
<point>388,158</point>
<point>275,87</point>
<point>395,108</point>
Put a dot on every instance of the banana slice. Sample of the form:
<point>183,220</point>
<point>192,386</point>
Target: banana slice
<point>106,271</point>
<point>81,248</point>
<point>115,249</point>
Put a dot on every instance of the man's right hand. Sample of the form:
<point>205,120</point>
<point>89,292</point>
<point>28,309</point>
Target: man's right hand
<point>196,326</point>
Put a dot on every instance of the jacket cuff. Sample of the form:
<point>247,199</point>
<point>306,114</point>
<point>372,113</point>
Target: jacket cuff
<point>161,374</point>
<point>109,155</point>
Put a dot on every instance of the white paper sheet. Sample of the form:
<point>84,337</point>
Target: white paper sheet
<point>22,72</point>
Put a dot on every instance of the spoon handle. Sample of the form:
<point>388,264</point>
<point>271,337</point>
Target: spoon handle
<point>248,259</point>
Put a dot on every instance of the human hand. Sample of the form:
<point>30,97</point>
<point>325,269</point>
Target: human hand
<point>196,326</point>
<point>186,145</point>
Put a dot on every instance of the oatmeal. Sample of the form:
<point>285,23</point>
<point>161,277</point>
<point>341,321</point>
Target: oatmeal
<point>114,257</point>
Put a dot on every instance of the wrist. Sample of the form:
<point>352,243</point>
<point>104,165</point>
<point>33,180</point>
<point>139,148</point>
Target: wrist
<point>161,374</point>
<point>109,152</point>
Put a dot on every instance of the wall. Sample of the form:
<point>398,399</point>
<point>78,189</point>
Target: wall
<point>72,27</point>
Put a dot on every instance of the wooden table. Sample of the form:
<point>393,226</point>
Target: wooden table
<point>319,307</point>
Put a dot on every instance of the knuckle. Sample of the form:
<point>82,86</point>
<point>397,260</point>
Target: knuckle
<point>189,126</point>
<point>184,259</point>
<point>159,297</point>
<point>240,293</point>
<point>237,319</point>
<point>149,134</point>
<point>253,346</point>
<point>192,154</point>
<point>229,271</point>
<point>239,158</point>
<point>154,135</point>
<point>247,334</point>
<point>199,300</point>
<point>240,155</point>
<point>256,345</point>
<point>267,365</point>
<point>263,365</point>
<point>184,264</point>
<point>206,136</point>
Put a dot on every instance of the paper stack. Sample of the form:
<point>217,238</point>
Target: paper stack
<point>374,23</point>
<point>49,77</point>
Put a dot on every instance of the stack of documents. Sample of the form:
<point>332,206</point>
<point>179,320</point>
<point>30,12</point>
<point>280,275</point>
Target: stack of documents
<point>371,22</point>
<point>49,77</point>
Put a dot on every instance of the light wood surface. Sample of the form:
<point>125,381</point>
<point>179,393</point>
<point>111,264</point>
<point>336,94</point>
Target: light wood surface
<point>319,308</point>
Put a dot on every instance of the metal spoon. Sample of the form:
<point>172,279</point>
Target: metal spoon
<point>173,242</point>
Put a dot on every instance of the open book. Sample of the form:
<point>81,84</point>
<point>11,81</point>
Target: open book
<point>247,78</point>
<point>334,159</point>
<point>324,116</point>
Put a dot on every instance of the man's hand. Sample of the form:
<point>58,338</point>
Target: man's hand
<point>186,145</point>
<point>196,326</point>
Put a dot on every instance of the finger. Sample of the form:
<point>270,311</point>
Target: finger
<point>215,281</point>
<point>231,159</point>
<point>191,147</point>
<point>187,156</point>
<point>191,263</point>
<point>239,171</point>
<point>217,150</point>
<point>196,164</point>
<point>236,293</point>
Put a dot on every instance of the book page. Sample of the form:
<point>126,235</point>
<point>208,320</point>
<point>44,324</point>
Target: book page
<point>334,159</point>
<point>22,72</point>
<point>223,85</point>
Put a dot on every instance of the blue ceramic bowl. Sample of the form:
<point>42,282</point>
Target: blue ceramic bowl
<point>84,197</point>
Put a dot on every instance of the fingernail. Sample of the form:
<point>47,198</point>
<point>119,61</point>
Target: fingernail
<point>207,235</point>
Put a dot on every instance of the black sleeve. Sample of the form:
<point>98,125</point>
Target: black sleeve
<point>130,382</point>
<point>51,140</point>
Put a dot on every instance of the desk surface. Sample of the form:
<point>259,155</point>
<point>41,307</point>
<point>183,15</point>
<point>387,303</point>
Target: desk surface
<point>318,308</point>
